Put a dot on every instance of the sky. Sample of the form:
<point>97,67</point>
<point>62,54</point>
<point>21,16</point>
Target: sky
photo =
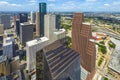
<point>61,5</point>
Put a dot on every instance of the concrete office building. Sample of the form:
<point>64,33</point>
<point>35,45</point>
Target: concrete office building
<point>5,20</point>
<point>8,47</point>
<point>37,24</point>
<point>23,17</point>
<point>4,66</point>
<point>1,29</point>
<point>33,17</point>
<point>42,11</point>
<point>83,43</point>
<point>50,28</point>
<point>26,32</point>
<point>31,48</point>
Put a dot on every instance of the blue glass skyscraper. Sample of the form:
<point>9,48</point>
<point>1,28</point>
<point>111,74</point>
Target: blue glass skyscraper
<point>42,10</point>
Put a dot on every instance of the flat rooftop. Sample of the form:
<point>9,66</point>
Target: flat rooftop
<point>115,61</point>
<point>27,24</point>
<point>37,41</point>
<point>86,23</point>
<point>8,41</point>
<point>59,31</point>
<point>3,58</point>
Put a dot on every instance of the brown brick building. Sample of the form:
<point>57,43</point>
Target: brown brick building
<point>83,43</point>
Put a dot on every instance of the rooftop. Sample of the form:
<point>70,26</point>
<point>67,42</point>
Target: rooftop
<point>26,24</point>
<point>3,78</point>
<point>86,23</point>
<point>3,58</point>
<point>8,41</point>
<point>59,58</point>
<point>59,31</point>
<point>115,61</point>
<point>37,41</point>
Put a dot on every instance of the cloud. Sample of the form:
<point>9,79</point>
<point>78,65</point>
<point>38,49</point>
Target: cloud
<point>91,0</point>
<point>5,3</point>
<point>52,0</point>
<point>116,3</point>
<point>32,1</point>
<point>106,4</point>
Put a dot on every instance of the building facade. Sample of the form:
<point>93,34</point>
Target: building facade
<point>58,21</point>
<point>33,17</point>
<point>49,26</point>
<point>32,47</point>
<point>26,32</point>
<point>83,43</point>
<point>1,29</point>
<point>52,61</point>
<point>42,11</point>
<point>8,47</point>
<point>23,17</point>
<point>5,20</point>
<point>4,66</point>
<point>17,27</point>
<point>37,24</point>
<point>58,63</point>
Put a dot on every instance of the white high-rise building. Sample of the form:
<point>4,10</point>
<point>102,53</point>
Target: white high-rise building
<point>33,17</point>
<point>31,48</point>
<point>50,28</point>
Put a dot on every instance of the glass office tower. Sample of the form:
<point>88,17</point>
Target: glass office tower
<point>42,10</point>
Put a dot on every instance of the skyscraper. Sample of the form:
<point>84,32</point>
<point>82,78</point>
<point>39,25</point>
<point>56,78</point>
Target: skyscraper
<point>49,26</point>
<point>37,24</point>
<point>23,17</point>
<point>83,43</point>
<point>32,17</point>
<point>42,10</point>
